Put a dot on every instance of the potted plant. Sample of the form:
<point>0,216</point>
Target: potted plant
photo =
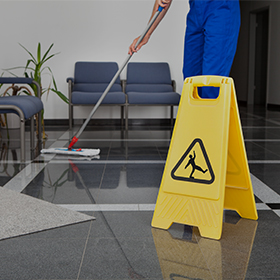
<point>35,67</point>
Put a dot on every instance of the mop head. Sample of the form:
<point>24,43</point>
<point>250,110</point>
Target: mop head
<point>73,152</point>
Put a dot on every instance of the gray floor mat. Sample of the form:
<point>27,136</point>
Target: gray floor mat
<point>21,214</point>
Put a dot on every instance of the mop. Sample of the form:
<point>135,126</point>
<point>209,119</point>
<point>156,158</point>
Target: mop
<point>94,152</point>
<point>73,152</point>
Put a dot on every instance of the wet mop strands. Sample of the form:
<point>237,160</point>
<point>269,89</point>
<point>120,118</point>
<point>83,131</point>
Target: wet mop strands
<point>66,151</point>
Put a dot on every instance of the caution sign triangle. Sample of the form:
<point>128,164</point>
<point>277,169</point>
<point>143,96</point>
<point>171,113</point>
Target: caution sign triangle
<point>194,165</point>
<point>206,170</point>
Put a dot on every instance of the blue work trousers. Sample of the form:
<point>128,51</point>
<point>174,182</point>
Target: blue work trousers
<point>211,39</point>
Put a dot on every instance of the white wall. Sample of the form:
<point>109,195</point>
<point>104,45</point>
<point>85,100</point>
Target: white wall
<point>93,30</point>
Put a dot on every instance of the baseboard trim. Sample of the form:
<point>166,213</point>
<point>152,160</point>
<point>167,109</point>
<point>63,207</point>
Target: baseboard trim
<point>273,107</point>
<point>109,122</point>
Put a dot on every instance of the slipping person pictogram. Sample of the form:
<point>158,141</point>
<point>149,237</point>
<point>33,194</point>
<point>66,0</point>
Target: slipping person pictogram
<point>194,166</point>
<point>189,159</point>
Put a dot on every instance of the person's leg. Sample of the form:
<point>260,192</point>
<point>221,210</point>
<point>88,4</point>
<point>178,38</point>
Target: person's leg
<point>193,54</point>
<point>194,44</point>
<point>221,36</point>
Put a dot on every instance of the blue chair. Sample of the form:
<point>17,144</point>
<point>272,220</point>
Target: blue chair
<point>89,82</point>
<point>25,107</point>
<point>149,83</point>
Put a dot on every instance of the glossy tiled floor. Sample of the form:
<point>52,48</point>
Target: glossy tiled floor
<point>120,189</point>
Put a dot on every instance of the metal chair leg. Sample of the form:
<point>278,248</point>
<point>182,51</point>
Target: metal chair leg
<point>126,117</point>
<point>32,140</point>
<point>22,140</point>
<point>171,115</point>
<point>122,116</point>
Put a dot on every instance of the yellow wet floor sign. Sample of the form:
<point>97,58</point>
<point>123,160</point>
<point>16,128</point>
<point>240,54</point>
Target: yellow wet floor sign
<point>206,170</point>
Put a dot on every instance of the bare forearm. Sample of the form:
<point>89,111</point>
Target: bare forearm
<point>160,17</point>
<point>163,3</point>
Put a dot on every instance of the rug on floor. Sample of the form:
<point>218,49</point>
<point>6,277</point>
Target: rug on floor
<point>21,214</point>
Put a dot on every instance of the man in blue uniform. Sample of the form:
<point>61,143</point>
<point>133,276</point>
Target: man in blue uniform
<point>210,40</point>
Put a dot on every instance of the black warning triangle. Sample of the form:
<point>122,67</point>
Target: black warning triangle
<point>190,178</point>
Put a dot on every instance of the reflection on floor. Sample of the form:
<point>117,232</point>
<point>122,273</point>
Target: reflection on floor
<point>119,188</point>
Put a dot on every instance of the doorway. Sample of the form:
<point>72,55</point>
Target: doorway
<point>258,60</point>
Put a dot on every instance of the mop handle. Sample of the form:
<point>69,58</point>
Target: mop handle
<point>118,73</point>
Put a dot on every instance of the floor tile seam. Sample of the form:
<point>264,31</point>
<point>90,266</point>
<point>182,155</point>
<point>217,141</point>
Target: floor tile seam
<point>67,133</point>
<point>267,120</point>
<point>102,177</point>
<point>261,118</point>
<point>261,140</point>
<point>259,127</point>
<point>264,161</point>
<point>257,143</point>
<point>277,212</point>
<point>208,268</point>
<point>110,161</point>
<point>84,251</point>
<point>158,151</point>
<point>117,140</point>
<point>266,149</point>
<point>134,207</point>
<point>273,121</point>
<point>137,207</point>
<point>27,162</point>
<point>55,139</point>
<point>19,182</point>
<point>144,161</point>
<point>263,191</point>
<point>65,137</point>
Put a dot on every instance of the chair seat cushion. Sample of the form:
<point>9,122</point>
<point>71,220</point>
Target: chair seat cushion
<point>30,105</point>
<point>156,98</point>
<point>88,98</point>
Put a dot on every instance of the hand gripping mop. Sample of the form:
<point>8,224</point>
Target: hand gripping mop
<point>94,152</point>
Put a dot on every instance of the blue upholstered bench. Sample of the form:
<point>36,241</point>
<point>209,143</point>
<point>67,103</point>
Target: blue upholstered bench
<point>149,83</point>
<point>90,81</point>
<point>25,107</point>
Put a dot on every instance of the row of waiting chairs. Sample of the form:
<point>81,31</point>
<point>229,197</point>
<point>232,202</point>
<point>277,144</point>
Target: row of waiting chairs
<point>147,83</point>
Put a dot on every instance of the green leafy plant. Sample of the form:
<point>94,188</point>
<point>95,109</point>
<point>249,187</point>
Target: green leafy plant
<point>35,68</point>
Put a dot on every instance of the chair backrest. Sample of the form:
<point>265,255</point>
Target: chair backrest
<point>95,76</point>
<point>148,76</point>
